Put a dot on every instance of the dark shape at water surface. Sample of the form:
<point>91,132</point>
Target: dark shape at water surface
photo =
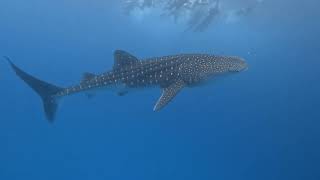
<point>170,73</point>
<point>200,22</point>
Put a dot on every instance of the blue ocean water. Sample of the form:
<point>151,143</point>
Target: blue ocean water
<point>259,124</point>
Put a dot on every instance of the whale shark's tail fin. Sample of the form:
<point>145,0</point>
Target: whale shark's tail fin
<point>45,90</point>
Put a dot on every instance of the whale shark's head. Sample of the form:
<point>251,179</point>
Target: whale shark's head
<point>236,64</point>
<point>201,67</point>
<point>223,64</point>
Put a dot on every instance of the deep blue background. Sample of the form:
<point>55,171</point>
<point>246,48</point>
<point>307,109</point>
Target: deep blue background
<point>260,124</point>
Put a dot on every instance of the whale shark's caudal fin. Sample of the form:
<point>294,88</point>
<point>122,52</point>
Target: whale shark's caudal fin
<point>45,90</point>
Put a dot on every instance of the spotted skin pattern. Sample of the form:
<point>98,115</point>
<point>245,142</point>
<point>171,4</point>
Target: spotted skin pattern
<point>187,69</point>
<point>170,73</point>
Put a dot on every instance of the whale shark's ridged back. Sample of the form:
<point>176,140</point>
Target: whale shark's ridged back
<point>45,90</point>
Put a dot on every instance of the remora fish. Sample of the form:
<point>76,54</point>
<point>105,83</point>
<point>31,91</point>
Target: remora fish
<point>170,73</point>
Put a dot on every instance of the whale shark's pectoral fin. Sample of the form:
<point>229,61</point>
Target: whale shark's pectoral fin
<point>168,94</point>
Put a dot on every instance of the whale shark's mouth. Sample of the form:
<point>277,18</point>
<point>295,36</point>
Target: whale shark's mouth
<point>239,68</point>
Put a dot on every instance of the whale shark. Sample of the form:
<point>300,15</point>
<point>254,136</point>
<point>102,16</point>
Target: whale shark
<point>170,73</point>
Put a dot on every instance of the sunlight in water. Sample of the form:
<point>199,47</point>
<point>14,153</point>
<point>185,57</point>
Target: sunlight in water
<point>196,15</point>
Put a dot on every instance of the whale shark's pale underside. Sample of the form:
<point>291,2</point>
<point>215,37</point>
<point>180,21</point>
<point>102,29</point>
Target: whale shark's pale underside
<point>170,73</point>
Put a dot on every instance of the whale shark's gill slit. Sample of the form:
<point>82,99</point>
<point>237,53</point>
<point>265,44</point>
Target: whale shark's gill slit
<point>45,90</point>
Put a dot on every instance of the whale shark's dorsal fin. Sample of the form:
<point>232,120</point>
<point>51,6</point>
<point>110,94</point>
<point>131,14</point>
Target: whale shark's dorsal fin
<point>168,94</point>
<point>87,76</point>
<point>123,59</point>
